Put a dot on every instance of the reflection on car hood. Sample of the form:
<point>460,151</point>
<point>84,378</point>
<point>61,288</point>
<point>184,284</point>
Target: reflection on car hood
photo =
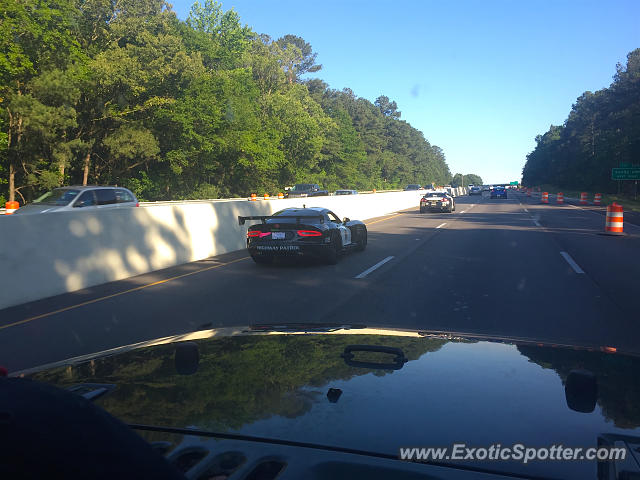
<point>33,208</point>
<point>450,390</point>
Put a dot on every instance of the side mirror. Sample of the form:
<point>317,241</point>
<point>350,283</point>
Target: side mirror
<point>346,219</point>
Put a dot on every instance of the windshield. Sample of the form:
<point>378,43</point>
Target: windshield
<point>58,196</point>
<point>302,186</point>
<point>182,132</point>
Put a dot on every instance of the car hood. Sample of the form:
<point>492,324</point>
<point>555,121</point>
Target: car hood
<point>301,387</point>
<point>39,208</point>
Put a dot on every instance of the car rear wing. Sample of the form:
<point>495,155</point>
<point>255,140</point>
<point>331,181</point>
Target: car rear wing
<point>264,218</point>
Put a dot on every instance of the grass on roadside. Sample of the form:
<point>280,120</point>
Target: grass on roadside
<point>626,201</point>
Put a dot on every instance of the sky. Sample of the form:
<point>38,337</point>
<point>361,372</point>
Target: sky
<point>480,79</point>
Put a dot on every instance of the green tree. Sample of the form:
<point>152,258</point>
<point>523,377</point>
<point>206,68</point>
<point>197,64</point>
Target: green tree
<point>36,39</point>
<point>601,132</point>
<point>297,57</point>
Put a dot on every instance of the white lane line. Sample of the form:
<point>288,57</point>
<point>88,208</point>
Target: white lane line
<point>462,211</point>
<point>536,222</point>
<point>526,210</point>
<point>571,262</point>
<point>441,225</point>
<point>371,269</point>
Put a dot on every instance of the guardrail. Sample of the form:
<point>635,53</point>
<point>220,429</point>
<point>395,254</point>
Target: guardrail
<point>258,197</point>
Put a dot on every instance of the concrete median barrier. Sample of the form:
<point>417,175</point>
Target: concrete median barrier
<point>63,252</point>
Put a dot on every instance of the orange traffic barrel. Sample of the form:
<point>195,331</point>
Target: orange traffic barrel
<point>253,197</point>
<point>280,195</point>
<point>583,198</point>
<point>11,207</point>
<point>266,196</point>
<point>597,200</point>
<point>560,198</point>
<point>614,222</point>
<point>545,197</point>
<point>374,190</point>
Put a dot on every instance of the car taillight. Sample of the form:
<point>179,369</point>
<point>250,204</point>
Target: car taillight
<point>309,233</point>
<point>138,204</point>
<point>253,233</point>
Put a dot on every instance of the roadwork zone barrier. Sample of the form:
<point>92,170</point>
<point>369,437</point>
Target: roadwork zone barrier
<point>560,198</point>
<point>583,198</point>
<point>597,199</point>
<point>545,197</point>
<point>11,207</point>
<point>614,221</point>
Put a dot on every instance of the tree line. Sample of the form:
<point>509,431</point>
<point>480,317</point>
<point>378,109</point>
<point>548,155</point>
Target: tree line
<point>123,92</point>
<point>602,131</point>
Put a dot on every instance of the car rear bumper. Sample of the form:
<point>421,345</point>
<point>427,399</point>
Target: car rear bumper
<point>288,250</point>
<point>438,208</point>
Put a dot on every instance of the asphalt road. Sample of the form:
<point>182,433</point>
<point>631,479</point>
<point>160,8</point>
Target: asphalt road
<point>511,268</point>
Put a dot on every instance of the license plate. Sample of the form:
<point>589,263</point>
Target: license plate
<point>278,235</point>
<point>278,248</point>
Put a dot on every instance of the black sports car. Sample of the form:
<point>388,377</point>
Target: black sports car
<point>294,232</point>
<point>440,201</point>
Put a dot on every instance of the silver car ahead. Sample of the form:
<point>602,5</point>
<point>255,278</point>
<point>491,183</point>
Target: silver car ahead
<point>66,199</point>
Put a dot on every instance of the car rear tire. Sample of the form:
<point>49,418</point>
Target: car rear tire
<point>422,210</point>
<point>334,251</point>
<point>362,240</point>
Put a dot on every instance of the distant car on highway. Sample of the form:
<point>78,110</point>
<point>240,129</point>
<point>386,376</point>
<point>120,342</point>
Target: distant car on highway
<point>76,198</point>
<point>413,186</point>
<point>299,232</point>
<point>300,190</point>
<point>498,192</point>
<point>475,191</point>
<point>486,188</point>
<point>437,201</point>
<point>346,192</point>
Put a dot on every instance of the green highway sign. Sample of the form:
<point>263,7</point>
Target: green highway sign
<point>628,173</point>
<point>513,183</point>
